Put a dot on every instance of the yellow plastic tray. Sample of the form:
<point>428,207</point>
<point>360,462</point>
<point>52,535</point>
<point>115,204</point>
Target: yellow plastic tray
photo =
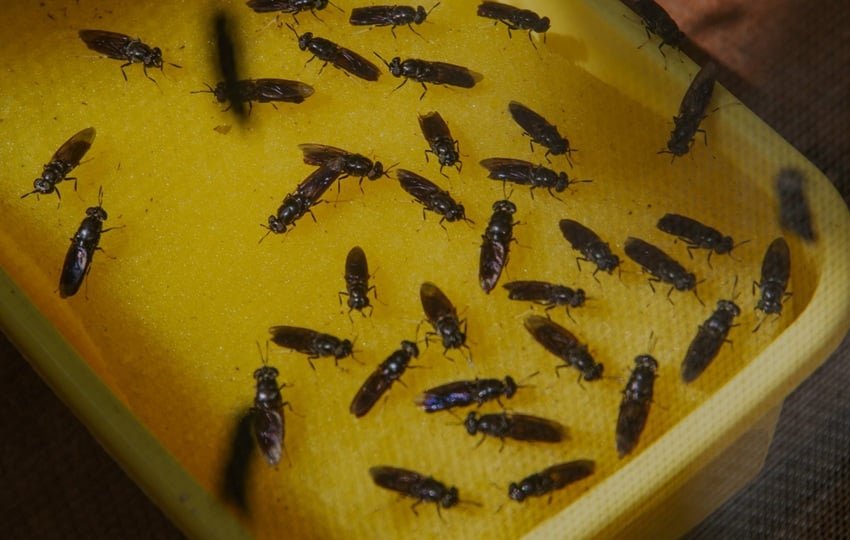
<point>156,352</point>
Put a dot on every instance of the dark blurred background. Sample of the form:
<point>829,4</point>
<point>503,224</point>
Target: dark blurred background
<point>788,61</point>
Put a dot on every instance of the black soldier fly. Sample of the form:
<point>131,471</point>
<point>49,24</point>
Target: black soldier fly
<point>634,407</point>
<point>62,163</point>
<point>551,479</point>
<point>710,337</point>
<point>261,91</point>
<point>522,427</point>
<point>562,343</point>
<point>310,342</point>
<point>662,267</point>
<point>794,212</point>
<point>390,16</point>
<point>426,71</point>
<point>235,473</point>
<point>656,20</point>
<point>293,7</point>
<point>122,47</point>
<point>540,131</point>
<point>429,195</point>
<point>349,163</point>
<point>228,59</point>
<point>330,53</point>
<point>589,245</point>
<point>497,240</point>
<point>775,271</point>
<point>515,18</point>
<point>306,195</point>
<point>357,281</point>
<point>465,393</point>
<point>691,112</point>
<point>81,251</point>
<point>414,485</point>
<point>439,138</point>
<point>697,235</point>
<point>442,315</point>
<point>382,378</point>
<point>267,414</point>
<point>544,293</point>
<point>526,173</point>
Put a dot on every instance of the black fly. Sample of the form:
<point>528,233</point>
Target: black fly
<point>709,339</point>
<point>288,6</point>
<point>442,315</point>
<point>342,58</point>
<point>522,427</point>
<point>390,16</point>
<point>123,47</point>
<point>546,294</point>
<point>634,407</point>
<point>551,479</point>
<point>497,240</point>
<point>62,163</point>
<point>306,195</point>
<point>439,138</point>
<point>589,245</point>
<point>313,344</point>
<point>775,271</point>
<point>656,20</point>
<point>663,267</point>
<point>357,281</point>
<point>349,163</point>
<point>527,174</point>
<point>515,18</point>
<point>696,234</point>
<point>691,112</point>
<point>465,393</point>
<point>431,197</point>
<point>260,90</point>
<point>540,131</point>
<point>414,485</point>
<point>81,251</point>
<point>382,378</point>
<point>794,212</point>
<point>426,71</point>
<point>562,343</point>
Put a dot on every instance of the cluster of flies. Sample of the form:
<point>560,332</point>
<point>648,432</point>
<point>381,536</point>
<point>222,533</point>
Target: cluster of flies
<point>334,164</point>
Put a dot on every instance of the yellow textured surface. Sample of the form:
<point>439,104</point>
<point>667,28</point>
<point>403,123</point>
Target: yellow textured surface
<point>172,311</point>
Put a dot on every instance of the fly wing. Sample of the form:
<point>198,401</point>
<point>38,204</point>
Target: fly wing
<point>524,427</point>
<point>577,234</point>
<point>109,43</point>
<point>491,263</point>
<point>394,478</point>
<point>446,396</point>
<point>538,291</point>
<point>268,430</point>
<point>321,154</point>
<point>421,188</point>
<point>555,338</point>
<point>355,64</point>
<point>509,170</point>
<point>73,150</point>
<point>433,126</point>
<point>528,120</point>
<point>454,75</point>
<point>77,262</point>
<point>266,6</point>
<point>567,473</point>
<point>434,302</point>
<point>369,394</point>
<point>293,337</point>
<point>370,15</point>
<point>315,185</point>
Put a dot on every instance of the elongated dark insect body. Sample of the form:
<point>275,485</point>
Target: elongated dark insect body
<point>794,212</point>
<point>634,407</point>
<point>267,414</point>
<point>122,47</point>
<point>526,173</point>
<point>261,91</point>
<point>440,140</point>
<point>521,427</point>
<point>426,71</point>
<point>349,163</point>
<point>696,235</point>
<point>431,197</point>
<point>465,393</point>
<point>562,343</point>
<point>691,112</point>
<point>62,163</point>
<point>330,53</point>
<point>589,245</point>
<point>775,271</point>
<point>306,195</point>
<point>414,485</point>
<point>442,315</point>
<point>656,20</point>
<point>515,18</point>
<point>310,342</point>
<point>293,7</point>
<point>81,251</point>
<point>382,378</point>
<point>660,265</point>
<point>541,131</point>
<point>710,337</point>
<point>545,293</point>
<point>390,16</point>
<point>496,244</point>
<point>551,479</point>
<point>357,280</point>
